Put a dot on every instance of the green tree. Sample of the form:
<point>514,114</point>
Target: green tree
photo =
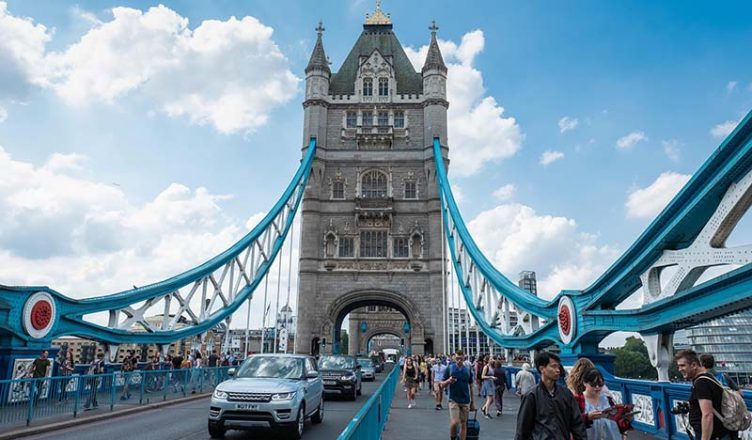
<point>632,360</point>
<point>344,342</point>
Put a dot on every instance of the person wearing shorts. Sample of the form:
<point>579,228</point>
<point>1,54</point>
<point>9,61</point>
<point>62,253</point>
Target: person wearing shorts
<point>459,379</point>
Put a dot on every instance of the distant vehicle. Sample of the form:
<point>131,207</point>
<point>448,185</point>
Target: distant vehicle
<point>341,375</point>
<point>367,369</point>
<point>270,391</point>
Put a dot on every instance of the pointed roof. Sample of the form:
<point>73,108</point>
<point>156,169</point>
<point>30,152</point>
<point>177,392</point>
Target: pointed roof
<point>318,57</point>
<point>434,60</point>
<point>383,39</point>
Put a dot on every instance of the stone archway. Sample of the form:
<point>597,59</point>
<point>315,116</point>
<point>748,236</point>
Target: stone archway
<point>338,310</point>
<point>380,331</point>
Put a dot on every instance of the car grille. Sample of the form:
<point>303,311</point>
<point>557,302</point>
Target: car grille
<point>249,397</point>
<point>253,416</point>
<point>331,376</point>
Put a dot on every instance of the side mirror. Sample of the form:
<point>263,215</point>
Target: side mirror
<point>231,372</point>
<point>312,374</point>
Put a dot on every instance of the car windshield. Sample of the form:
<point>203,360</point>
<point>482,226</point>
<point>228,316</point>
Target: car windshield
<point>336,362</point>
<point>272,367</point>
<point>365,363</point>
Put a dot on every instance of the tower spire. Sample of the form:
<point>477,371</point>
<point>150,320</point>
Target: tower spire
<point>318,57</point>
<point>378,17</point>
<point>434,60</point>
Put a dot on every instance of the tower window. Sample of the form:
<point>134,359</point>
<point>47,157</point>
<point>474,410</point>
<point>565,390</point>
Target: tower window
<point>367,119</point>
<point>346,247</point>
<point>367,86</point>
<point>399,119</point>
<point>373,185</point>
<point>383,87</point>
<point>352,119</point>
<point>383,119</point>
<point>373,244</point>
<point>401,247</point>
<point>411,191</point>
<point>338,190</point>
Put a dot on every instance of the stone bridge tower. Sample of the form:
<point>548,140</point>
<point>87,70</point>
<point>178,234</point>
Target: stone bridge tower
<point>371,219</point>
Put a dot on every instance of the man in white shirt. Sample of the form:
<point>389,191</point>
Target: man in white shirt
<point>437,371</point>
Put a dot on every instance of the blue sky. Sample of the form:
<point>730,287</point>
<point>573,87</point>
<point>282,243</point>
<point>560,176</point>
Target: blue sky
<point>122,177</point>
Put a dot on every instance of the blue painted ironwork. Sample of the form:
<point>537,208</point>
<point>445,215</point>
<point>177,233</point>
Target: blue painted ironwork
<point>24,401</point>
<point>203,296</point>
<point>707,208</point>
<point>369,422</point>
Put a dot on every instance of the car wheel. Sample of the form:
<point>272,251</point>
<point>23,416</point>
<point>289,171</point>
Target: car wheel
<point>217,430</point>
<point>296,430</point>
<point>318,417</point>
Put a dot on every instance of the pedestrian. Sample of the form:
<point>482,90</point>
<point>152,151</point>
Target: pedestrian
<point>488,388</point>
<point>500,373</point>
<point>459,379</point>
<point>129,364</point>
<point>423,371</point>
<point>197,370</point>
<point>576,385</point>
<point>708,362</point>
<point>437,371</point>
<point>549,411</point>
<point>39,369</point>
<point>65,370</point>
<point>478,365</point>
<point>597,406</point>
<point>95,369</point>
<point>704,399</point>
<point>410,381</point>
<point>524,381</point>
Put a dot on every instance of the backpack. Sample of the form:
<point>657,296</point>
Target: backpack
<point>737,416</point>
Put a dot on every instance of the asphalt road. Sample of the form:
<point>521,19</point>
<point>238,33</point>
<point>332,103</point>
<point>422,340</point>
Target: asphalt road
<point>188,421</point>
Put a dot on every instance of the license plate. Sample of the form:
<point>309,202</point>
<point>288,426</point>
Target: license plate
<point>248,406</point>
<point>330,382</point>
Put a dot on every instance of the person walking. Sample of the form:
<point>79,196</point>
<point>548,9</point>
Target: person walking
<point>95,368</point>
<point>708,362</point>
<point>129,364</point>
<point>549,411</point>
<point>410,381</point>
<point>524,381</point>
<point>459,379</point>
<point>597,405</point>
<point>704,399</point>
<point>66,370</point>
<point>437,371</point>
<point>39,369</point>
<point>500,373</point>
<point>488,388</point>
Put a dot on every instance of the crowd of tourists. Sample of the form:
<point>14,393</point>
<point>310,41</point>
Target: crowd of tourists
<point>560,404</point>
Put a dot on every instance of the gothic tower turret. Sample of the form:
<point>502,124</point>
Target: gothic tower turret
<point>318,75</point>
<point>434,89</point>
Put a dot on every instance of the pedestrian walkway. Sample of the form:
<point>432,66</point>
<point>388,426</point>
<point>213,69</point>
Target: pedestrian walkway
<point>424,422</point>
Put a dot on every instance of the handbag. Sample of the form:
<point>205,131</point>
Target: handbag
<point>622,415</point>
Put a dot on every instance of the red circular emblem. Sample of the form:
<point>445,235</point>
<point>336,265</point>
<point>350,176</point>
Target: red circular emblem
<point>565,319</point>
<point>41,315</point>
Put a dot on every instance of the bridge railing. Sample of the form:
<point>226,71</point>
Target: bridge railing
<point>654,400</point>
<point>369,422</point>
<point>23,401</point>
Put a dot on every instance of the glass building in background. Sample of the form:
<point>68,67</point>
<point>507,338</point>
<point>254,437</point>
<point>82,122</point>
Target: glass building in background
<point>729,340</point>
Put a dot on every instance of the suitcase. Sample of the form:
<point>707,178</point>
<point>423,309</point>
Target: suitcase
<point>473,427</point>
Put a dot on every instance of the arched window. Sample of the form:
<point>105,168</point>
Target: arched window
<point>367,86</point>
<point>383,87</point>
<point>373,185</point>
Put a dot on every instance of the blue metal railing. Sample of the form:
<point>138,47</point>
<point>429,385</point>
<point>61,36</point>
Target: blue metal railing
<point>369,422</point>
<point>653,399</point>
<point>23,401</point>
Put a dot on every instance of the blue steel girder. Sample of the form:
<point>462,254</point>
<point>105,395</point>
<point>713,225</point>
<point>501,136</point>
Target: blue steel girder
<point>191,303</point>
<point>691,229</point>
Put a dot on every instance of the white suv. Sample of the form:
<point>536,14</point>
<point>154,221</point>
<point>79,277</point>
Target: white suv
<point>269,390</point>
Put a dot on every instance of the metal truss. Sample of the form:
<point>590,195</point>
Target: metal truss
<point>186,305</point>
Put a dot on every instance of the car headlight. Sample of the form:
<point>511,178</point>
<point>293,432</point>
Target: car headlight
<point>220,395</point>
<point>348,378</point>
<point>283,396</point>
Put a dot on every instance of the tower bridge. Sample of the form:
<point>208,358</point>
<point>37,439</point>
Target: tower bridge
<point>381,233</point>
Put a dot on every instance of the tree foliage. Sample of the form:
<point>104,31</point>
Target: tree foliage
<point>632,360</point>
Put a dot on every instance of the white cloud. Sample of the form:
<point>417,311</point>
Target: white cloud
<point>647,202</point>
<point>672,147</point>
<point>459,195</point>
<point>479,131</point>
<point>723,129</point>
<point>731,86</point>
<point>22,52</point>
<point>85,238</point>
<point>628,141</point>
<point>567,124</point>
<point>505,192</point>
<point>515,238</point>
<point>3,114</point>
<point>550,157</point>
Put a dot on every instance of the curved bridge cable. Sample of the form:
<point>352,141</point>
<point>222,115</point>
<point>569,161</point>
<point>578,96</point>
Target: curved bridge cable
<point>507,313</point>
<point>191,303</point>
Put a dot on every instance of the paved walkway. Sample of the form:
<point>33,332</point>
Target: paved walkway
<point>425,422</point>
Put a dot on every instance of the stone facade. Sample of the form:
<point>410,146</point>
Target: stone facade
<point>371,219</point>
